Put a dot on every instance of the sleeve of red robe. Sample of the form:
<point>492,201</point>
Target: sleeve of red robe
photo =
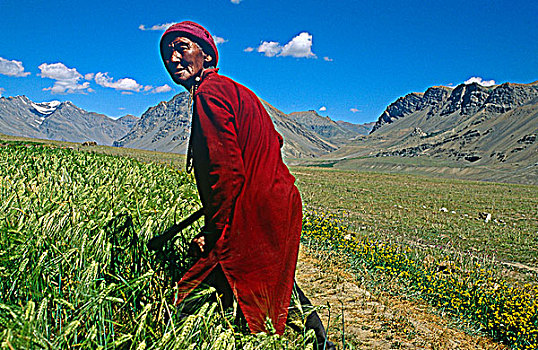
<point>226,169</point>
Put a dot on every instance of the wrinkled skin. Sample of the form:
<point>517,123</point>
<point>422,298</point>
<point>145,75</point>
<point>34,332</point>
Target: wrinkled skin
<point>184,60</point>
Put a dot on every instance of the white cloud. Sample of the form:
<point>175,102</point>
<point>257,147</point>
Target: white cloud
<point>355,110</point>
<point>67,87</point>
<point>328,59</point>
<point>236,1</point>
<point>160,89</point>
<point>270,48</point>
<point>2,90</point>
<point>299,47</point>
<point>89,76</point>
<point>124,84</point>
<point>219,40</point>
<point>323,109</point>
<point>12,68</point>
<point>480,81</point>
<point>66,79</point>
<point>163,26</point>
<point>59,71</point>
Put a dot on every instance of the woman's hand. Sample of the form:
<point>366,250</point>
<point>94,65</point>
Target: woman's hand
<point>200,242</point>
<point>198,246</point>
<point>203,243</point>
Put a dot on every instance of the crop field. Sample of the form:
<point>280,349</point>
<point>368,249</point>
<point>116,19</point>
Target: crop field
<point>74,268</point>
<point>75,271</point>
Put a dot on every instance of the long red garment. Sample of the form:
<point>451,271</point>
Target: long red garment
<point>248,193</point>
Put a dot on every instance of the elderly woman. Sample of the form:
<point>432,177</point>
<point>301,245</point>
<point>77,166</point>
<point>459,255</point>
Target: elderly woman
<point>252,209</point>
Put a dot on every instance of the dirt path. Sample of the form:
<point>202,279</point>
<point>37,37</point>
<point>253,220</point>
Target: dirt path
<point>378,321</point>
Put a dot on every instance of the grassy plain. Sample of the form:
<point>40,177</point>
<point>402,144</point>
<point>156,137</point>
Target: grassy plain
<point>431,167</point>
<point>467,248</point>
<point>436,214</point>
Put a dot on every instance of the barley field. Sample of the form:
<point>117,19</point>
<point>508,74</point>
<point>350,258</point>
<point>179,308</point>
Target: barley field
<point>74,268</point>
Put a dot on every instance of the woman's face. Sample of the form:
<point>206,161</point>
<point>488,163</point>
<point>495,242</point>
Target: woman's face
<point>184,60</point>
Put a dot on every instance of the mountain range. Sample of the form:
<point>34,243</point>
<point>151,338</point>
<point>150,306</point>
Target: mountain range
<point>164,127</point>
<point>61,121</point>
<point>468,130</point>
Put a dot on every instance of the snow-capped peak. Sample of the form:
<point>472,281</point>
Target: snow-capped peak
<point>46,107</point>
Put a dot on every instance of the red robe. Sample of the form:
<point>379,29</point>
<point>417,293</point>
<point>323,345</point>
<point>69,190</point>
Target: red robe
<point>248,193</point>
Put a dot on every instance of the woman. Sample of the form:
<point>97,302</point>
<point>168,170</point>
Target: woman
<point>252,209</point>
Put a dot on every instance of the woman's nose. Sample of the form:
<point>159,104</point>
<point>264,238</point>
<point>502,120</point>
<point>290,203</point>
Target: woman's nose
<point>176,56</point>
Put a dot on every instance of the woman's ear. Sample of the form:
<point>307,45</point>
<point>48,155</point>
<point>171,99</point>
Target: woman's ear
<point>207,59</point>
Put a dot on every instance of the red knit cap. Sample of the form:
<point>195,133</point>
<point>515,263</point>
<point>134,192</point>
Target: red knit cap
<point>196,33</point>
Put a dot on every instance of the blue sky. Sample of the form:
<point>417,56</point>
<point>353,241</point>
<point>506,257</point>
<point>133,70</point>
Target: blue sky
<point>345,59</point>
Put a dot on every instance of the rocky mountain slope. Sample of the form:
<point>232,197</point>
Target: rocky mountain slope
<point>166,126</point>
<point>361,129</point>
<point>324,127</point>
<point>470,122</point>
<point>469,131</point>
<point>299,141</point>
<point>59,121</point>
